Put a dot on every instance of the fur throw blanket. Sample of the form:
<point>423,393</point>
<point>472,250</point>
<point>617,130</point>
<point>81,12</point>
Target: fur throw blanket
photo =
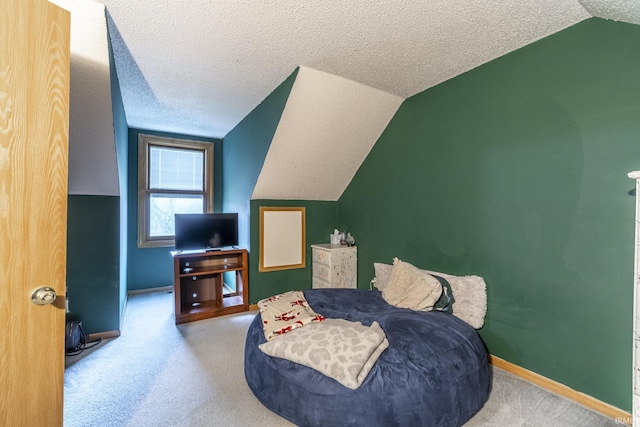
<point>343,350</point>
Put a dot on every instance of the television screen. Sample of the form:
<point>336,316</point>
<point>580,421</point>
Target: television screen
<point>206,231</point>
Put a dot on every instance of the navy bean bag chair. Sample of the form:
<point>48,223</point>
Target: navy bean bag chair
<point>434,373</point>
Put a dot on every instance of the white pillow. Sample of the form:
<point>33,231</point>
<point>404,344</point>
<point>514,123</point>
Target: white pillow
<point>409,287</point>
<point>382,271</point>
<point>469,292</point>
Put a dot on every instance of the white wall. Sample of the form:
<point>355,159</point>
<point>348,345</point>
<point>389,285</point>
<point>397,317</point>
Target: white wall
<point>327,128</point>
<point>93,168</point>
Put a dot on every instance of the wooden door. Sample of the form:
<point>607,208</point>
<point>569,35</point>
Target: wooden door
<point>34,122</point>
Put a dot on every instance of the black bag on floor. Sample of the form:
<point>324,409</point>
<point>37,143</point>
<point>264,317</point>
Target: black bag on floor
<point>75,340</point>
<point>74,337</point>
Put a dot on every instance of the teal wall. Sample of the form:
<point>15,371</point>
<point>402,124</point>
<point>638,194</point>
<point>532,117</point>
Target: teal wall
<point>121,135</point>
<point>153,267</point>
<point>96,243</point>
<point>320,221</point>
<point>517,171</point>
<point>245,148</point>
<point>93,257</point>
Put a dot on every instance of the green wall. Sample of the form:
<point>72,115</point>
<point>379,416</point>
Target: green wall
<point>96,240</point>
<point>320,221</point>
<point>517,171</point>
<point>93,256</point>
<point>121,136</point>
<point>153,267</point>
<point>244,150</point>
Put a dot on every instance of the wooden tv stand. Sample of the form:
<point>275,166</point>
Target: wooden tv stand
<point>198,283</point>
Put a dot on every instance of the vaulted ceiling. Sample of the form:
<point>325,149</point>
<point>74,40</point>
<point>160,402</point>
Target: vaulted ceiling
<point>200,66</point>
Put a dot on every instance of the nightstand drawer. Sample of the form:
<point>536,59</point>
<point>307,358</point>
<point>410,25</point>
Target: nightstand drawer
<point>334,266</point>
<point>321,271</point>
<point>321,256</point>
<point>317,283</point>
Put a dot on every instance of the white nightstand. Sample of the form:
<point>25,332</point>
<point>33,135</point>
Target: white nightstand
<point>335,266</point>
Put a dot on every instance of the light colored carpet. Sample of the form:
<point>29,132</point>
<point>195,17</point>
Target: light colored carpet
<point>159,374</point>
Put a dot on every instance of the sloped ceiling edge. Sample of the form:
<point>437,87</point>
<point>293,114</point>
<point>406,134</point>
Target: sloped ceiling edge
<point>93,167</point>
<point>327,128</point>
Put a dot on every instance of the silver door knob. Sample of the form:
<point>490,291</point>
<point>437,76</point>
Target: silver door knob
<point>43,296</point>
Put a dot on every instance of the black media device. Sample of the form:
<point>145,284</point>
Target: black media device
<point>207,231</point>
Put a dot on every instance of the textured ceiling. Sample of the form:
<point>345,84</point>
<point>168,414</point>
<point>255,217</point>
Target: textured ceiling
<point>200,66</point>
<point>617,10</point>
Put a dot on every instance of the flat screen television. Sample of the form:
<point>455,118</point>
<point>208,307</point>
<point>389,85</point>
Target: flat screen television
<point>207,231</point>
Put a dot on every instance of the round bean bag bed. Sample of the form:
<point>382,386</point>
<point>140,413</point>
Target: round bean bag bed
<point>434,373</point>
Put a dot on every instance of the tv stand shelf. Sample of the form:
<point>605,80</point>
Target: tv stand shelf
<point>198,283</point>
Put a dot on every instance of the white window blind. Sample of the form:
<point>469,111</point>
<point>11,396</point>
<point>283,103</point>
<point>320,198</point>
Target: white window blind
<point>175,177</point>
<point>176,169</point>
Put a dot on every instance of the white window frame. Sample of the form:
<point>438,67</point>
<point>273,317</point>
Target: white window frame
<point>145,142</point>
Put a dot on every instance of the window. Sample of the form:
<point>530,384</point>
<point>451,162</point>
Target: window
<point>174,176</point>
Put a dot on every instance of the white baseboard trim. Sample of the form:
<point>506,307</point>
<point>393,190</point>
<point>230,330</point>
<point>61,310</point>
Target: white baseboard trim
<point>620,416</point>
